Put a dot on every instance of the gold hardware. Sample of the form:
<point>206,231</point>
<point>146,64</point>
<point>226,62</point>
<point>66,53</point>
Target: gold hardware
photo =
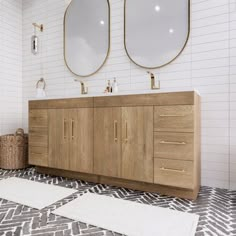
<point>35,153</point>
<point>186,41</point>
<point>175,143</point>
<point>109,39</point>
<point>38,135</point>
<point>64,128</point>
<point>38,26</point>
<point>72,129</point>
<point>153,82</point>
<point>172,170</point>
<point>126,131</point>
<point>84,90</point>
<point>171,115</point>
<point>115,131</point>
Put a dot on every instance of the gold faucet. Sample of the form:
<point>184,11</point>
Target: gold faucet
<point>153,82</point>
<point>84,90</point>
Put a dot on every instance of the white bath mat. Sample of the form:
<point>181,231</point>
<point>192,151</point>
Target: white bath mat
<point>129,218</point>
<point>30,193</point>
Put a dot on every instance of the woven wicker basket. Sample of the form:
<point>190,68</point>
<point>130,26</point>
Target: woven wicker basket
<point>14,150</point>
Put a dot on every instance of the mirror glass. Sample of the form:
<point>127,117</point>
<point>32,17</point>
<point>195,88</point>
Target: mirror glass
<point>86,35</point>
<point>156,31</point>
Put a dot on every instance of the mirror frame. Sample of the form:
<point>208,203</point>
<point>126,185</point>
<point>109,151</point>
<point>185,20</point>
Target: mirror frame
<point>187,38</point>
<point>109,40</point>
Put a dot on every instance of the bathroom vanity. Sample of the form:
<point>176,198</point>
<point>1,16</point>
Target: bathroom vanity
<point>147,142</point>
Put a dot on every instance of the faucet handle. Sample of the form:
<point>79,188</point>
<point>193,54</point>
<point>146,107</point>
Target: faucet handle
<point>151,74</point>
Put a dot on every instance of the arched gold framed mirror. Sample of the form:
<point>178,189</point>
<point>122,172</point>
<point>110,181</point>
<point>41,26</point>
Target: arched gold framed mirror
<point>86,36</point>
<point>156,31</point>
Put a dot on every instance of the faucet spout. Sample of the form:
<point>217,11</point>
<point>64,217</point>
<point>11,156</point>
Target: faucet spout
<point>84,89</point>
<point>153,82</point>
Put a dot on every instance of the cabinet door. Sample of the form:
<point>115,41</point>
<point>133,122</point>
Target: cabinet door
<point>38,137</point>
<point>107,141</point>
<point>59,138</point>
<point>137,143</point>
<point>81,140</point>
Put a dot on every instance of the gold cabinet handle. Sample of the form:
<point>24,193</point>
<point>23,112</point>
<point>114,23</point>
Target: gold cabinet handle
<point>72,129</point>
<point>35,153</point>
<point>115,131</point>
<point>172,170</point>
<point>37,135</point>
<point>64,129</point>
<point>174,143</point>
<point>164,115</point>
<point>126,131</point>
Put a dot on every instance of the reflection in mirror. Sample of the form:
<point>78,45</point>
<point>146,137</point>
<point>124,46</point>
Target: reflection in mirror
<point>86,35</point>
<point>156,31</point>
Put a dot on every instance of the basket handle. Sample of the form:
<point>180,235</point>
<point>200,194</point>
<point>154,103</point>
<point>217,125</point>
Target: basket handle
<point>20,132</point>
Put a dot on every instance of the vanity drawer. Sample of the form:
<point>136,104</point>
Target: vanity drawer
<point>38,156</point>
<point>38,136</point>
<point>38,118</point>
<point>174,118</point>
<point>173,173</point>
<point>173,145</point>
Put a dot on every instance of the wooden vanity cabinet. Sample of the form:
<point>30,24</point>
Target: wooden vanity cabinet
<point>58,139</point>
<point>38,137</point>
<point>149,142</point>
<point>123,142</point>
<point>81,145</point>
<point>71,139</point>
<point>177,145</point>
<point>107,141</point>
<point>64,132</point>
<point>178,118</point>
<point>137,143</point>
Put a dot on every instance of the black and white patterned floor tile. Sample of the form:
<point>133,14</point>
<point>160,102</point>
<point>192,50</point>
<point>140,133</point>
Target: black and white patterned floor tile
<point>216,207</point>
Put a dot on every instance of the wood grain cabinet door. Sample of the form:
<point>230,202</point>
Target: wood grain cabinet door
<point>81,140</point>
<point>137,143</point>
<point>38,137</point>
<point>107,141</point>
<point>59,138</point>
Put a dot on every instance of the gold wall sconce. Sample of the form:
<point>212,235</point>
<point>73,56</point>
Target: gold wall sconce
<point>34,39</point>
<point>40,27</point>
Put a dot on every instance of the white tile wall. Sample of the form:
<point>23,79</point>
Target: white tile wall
<point>232,96</point>
<point>207,64</point>
<point>10,65</point>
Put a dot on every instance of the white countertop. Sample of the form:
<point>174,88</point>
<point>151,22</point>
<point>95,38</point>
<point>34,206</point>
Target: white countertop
<point>120,94</point>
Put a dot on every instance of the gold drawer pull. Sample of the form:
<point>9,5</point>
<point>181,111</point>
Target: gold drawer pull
<point>115,131</point>
<point>126,131</point>
<point>174,143</point>
<point>164,115</point>
<point>64,128</point>
<point>35,153</point>
<point>172,170</point>
<point>72,129</point>
<point>36,135</point>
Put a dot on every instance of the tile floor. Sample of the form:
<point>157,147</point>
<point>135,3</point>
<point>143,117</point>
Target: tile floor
<point>216,207</point>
